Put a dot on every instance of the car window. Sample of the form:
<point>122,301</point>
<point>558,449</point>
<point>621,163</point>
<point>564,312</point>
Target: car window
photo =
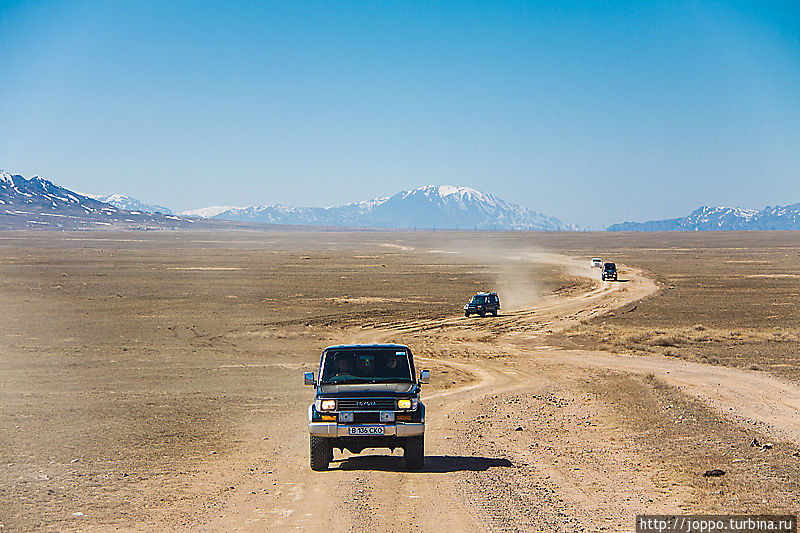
<point>366,366</point>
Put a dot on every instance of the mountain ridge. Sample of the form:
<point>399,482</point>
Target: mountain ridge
<point>129,203</point>
<point>710,218</point>
<point>38,203</point>
<point>427,207</point>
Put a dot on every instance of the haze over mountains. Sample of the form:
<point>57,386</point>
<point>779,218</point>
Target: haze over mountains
<point>129,203</point>
<point>39,203</point>
<point>723,219</point>
<point>432,206</point>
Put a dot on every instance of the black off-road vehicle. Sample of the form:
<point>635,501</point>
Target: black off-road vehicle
<point>483,303</point>
<point>609,272</point>
<point>367,396</point>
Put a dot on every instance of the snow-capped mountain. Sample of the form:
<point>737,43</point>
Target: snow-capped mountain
<point>444,206</point>
<point>129,203</point>
<point>208,212</point>
<point>723,219</point>
<point>39,203</point>
<point>432,206</point>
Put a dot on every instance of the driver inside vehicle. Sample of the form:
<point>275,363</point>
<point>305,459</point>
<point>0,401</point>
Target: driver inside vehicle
<point>343,365</point>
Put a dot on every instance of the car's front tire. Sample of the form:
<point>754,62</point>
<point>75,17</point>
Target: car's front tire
<point>414,452</point>
<point>466,314</point>
<point>321,453</point>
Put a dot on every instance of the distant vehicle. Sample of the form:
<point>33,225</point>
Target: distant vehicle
<point>609,271</point>
<point>367,396</point>
<point>597,262</point>
<point>482,303</point>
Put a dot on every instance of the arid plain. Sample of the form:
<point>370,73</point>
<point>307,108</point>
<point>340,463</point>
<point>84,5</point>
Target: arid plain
<point>152,380</point>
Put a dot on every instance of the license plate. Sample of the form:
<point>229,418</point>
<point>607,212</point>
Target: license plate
<point>365,430</point>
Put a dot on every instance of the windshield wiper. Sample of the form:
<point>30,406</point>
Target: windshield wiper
<point>368,381</point>
<point>343,381</point>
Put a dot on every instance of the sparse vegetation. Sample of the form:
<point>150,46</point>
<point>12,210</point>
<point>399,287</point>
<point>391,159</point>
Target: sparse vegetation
<point>699,343</point>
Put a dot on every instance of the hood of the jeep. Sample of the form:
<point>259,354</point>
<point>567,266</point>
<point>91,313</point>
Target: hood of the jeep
<point>367,389</point>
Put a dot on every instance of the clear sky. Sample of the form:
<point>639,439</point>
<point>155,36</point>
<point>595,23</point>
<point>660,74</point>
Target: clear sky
<point>594,112</point>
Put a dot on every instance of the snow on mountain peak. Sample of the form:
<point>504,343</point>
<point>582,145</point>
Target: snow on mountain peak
<point>129,203</point>
<point>448,192</point>
<point>209,212</point>
<point>717,218</point>
<point>430,206</point>
<point>6,176</point>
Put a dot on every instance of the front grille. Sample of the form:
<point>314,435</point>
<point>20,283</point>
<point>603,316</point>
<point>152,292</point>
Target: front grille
<point>366,418</point>
<point>366,404</point>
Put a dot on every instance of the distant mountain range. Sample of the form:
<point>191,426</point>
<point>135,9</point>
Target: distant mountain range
<point>429,207</point>
<point>128,203</point>
<point>39,203</point>
<point>723,219</point>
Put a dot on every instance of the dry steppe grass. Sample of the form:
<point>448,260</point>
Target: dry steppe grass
<point>147,377</point>
<point>726,298</point>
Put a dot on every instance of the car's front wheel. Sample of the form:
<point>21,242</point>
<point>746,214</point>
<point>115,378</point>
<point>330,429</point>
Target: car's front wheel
<point>321,453</point>
<point>414,452</point>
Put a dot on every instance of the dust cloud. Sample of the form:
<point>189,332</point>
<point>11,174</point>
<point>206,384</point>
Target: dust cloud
<point>515,272</point>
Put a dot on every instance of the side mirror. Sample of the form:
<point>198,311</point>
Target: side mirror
<point>308,378</point>
<point>425,377</point>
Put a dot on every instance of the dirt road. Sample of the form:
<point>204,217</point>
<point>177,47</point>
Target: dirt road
<point>152,382</point>
<point>529,442</point>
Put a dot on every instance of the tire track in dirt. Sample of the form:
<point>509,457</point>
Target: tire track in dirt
<point>471,485</point>
<point>382,495</point>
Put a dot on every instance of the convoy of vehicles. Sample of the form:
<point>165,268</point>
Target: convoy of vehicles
<point>483,303</point>
<point>367,396</point>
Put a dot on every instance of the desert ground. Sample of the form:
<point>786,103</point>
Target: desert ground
<point>152,380</point>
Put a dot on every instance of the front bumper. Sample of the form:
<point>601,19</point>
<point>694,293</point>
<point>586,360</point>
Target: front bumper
<point>333,429</point>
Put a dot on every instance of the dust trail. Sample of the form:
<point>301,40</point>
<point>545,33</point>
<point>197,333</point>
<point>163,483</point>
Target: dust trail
<point>516,272</point>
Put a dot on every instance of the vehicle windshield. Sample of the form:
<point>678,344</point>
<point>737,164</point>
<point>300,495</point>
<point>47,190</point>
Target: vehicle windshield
<point>478,299</point>
<point>389,365</point>
<point>610,266</point>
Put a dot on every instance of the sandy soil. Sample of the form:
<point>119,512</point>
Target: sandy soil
<point>153,382</point>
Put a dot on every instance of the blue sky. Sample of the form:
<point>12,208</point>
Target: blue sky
<point>594,112</point>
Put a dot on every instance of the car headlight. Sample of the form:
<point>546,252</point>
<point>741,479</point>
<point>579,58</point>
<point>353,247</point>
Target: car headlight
<point>327,405</point>
<point>407,403</point>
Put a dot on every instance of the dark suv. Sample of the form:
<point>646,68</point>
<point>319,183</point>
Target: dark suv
<point>609,272</point>
<point>367,396</point>
<point>482,303</point>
